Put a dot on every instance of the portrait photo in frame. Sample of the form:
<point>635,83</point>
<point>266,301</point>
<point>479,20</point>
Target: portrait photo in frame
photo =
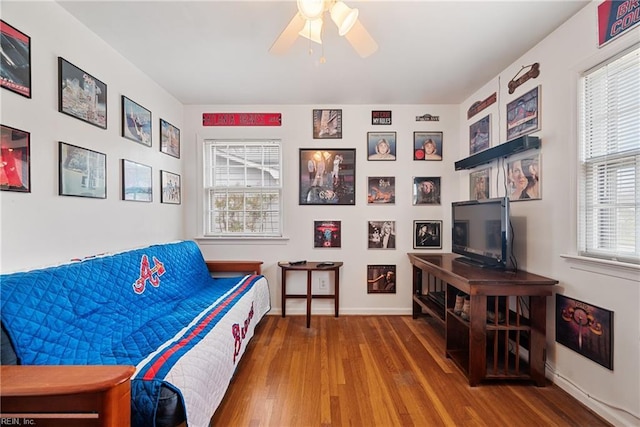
<point>381,146</point>
<point>524,177</point>
<point>169,139</point>
<point>381,234</point>
<point>15,156</point>
<point>427,234</point>
<point>479,184</point>
<point>480,135</point>
<point>170,187</point>
<point>426,190</point>
<point>82,172</point>
<point>427,145</point>
<point>381,279</point>
<point>327,176</point>
<point>136,122</point>
<point>327,234</point>
<point>15,67</point>
<point>327,124</point>
<point>523,114</point>
<point>381,190</point>
<point>81,95</point>
<point>136,182</point>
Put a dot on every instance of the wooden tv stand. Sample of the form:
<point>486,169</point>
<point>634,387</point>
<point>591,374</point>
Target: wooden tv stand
<point>504,337</point>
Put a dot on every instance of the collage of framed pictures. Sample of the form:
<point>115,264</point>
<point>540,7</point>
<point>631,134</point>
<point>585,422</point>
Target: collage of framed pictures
<point>170,188</point>
<point>15,157</point>
<point>136,122</point>
<point>327,124</point>
<point>82,172</point>
<point>136,182</point>
<point>81,95</point>
<point>327,176</point>
<point>16,62</point>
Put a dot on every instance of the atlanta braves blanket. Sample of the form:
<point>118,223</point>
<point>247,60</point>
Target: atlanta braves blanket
<point>156,308</point>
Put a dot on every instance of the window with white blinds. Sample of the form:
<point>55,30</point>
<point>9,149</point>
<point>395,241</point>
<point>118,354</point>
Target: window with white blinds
<point>242,188</point>
<point>609,225</point>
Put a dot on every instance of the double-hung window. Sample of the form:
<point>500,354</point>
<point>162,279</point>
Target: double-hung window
<point>242,188</point>
<point>608,208</point>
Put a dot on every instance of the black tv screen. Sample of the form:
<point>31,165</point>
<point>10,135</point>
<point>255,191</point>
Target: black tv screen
<point>481,231</point>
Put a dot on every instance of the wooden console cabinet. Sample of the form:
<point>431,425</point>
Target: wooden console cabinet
<point>504,336</point>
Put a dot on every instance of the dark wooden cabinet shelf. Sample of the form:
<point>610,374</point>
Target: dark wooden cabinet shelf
<point>483,347</point>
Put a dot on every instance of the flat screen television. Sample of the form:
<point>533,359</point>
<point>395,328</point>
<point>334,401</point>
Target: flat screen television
<point>481,232</point>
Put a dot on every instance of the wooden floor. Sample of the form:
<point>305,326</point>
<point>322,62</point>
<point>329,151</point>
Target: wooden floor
<point>375,371</point>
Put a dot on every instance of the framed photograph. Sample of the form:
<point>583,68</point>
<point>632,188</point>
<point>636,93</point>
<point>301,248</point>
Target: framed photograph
<point>427,145</point>
<point>479,184</point>
<point>382,190</point>
<point>327,124</point>
<point>81,95</point>
<point>15,68</point>
<point>381,279</point>
<point>169,139</point>
<point>382,235</point>
<point>585,329</point>
<point>136,182</point>
<point>327,234</point>
<point>480,135</point>
<point>15,156</point>
<point>460,233</point>
<point>82,172</point>
<point>327,176</point>
<point>381,145</point>
<point>136,122</point>
<point>171,188</point>
<point>426,190</point>
<point>523,178</point>
<point>523,114</point>
<point>427,234</point>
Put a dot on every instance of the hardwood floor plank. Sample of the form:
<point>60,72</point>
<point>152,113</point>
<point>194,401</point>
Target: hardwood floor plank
<point>376,371</point>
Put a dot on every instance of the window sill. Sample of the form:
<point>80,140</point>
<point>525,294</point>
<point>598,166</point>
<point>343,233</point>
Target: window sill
<point>618,269</point>
<point>248,240</point>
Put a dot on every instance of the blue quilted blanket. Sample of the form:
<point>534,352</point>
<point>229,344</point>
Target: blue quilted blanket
<point>147,307</point>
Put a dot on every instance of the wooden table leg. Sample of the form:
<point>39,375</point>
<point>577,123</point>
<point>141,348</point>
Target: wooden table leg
<point>309,298</point>
<point>337,289</point>
<point>538,344</point>
<point>477,339</point>
<point>284,292</point>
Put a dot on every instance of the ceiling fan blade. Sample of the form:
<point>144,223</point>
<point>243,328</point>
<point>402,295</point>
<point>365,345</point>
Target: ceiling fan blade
<point>288,36</point>
<point>361,40</point>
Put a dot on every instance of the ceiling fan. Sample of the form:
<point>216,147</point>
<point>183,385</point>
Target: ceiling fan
<point>308,22</point>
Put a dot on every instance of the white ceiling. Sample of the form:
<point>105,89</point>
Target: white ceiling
<point>216,52</point>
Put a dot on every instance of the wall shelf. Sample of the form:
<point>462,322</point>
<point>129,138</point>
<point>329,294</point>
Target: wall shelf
<point>526,142</point>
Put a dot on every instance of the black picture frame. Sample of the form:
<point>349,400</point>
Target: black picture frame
<point>327,124</point>
<point>427,234</point>
<point>327,234</point>
<point>381,279</point>
<point>136,122</point>
<point>81,95</point>
<point>585,329</point>
<point>170,188</point>
<point>169,139</point>
<point>81,172</point>
<point>15,155</point>
<point>327,176</point>
<point>137,180</point>
<point>15,71</point>
<point>381,146</point>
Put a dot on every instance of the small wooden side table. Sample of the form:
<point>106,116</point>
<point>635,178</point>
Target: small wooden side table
<point>310,267</point>
<point>67,395</point>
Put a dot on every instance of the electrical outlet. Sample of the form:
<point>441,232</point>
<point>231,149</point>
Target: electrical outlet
<point>322,283</point>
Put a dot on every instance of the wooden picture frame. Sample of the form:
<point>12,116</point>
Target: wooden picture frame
<point>381,146</point>
<point>479,184</point>
<point>480,135</point>
<point>81,172</point>
<point>81,95</point>
<point>169,139</point>
<point>327,234</point>
<point>136,182</point>
<point>170,188</point>
<point>426,190</point>
<point>15,156</point>
<point>381,279</point>
<point>427,146</point>
<point>16,69</point>
<point>381,190</point>
<point>381,234</point>
<point>523,114</point>
<point>136,122</point>
<point>327,124</point>
<point>427,234</point>
<point>327,176</point>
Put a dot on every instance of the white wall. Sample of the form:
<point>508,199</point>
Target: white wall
<point>41,227</point>
<point>549,224</point>
<point>296,133</point>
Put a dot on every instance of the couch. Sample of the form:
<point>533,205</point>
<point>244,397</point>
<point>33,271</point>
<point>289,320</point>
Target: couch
<point>157,308</point>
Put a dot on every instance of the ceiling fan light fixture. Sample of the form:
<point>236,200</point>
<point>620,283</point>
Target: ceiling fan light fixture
<point>311,9</point>
<point>344,17</point>
<point>312,30</point>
